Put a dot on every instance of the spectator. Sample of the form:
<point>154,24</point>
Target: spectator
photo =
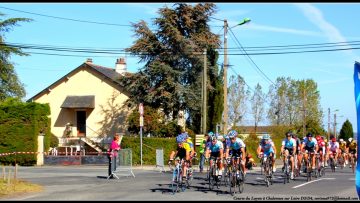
<point>113,154</point>
<point>202,151</point>
<point>250,162</point>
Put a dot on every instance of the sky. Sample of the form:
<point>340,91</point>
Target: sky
<point>106,26</point>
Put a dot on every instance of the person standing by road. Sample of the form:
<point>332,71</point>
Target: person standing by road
<point>203,144</point>
<point>113,154</point>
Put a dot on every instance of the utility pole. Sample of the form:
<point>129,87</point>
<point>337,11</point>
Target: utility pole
<point>225,78</point>
<point>204,93</point>
<point>335,125</point>
<point>328,138</point>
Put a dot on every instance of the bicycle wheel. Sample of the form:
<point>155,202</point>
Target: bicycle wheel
<point>211,178</point>
<point>189,178</point>
<point>175,181</point>
<point>240,181</point>
<point>332,164</point>
<point>233,183</point>
<point>352,163</point>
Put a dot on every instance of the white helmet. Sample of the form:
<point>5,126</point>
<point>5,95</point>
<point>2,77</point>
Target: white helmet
<point>350,139</point>
<point>341,140</point>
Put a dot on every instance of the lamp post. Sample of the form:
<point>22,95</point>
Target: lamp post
<point>335,122</point>
<point>246,20</point>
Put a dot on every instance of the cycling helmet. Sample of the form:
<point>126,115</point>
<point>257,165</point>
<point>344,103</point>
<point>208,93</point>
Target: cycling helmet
<point>309,135</point>
<point>232,133</point>
<point>210,134</point>
<point>341,140</point>
<point>350,139</point>
<point>180,138</point>
<point>214,137</point>
<point>266,137</point>
<point>318,137</point>
<point>185,135</point>
<point>225,136</point>
<point>288,134</point>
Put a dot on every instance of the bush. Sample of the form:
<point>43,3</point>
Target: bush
<point>54,141</point>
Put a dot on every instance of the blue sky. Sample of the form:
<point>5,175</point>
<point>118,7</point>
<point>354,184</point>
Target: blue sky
<point>272,24</point>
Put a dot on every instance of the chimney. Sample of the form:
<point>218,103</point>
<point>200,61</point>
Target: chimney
<point>120,66</point>
<point>89,60</point>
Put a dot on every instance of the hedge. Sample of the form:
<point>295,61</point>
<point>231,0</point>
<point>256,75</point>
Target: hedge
<point>20,125</point>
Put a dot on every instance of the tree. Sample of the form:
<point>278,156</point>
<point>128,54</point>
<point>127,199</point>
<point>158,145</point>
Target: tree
<point>237,96</point>
<point>10,86</point>
<point>173,56</point>
<point>257,105</point>
<point>346,130</point>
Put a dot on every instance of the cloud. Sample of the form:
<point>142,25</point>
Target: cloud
<point>283,30</point>
<point>315,16</point>
<point>326,82</point>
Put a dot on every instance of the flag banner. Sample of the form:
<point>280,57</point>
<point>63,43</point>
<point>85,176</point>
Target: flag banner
<point>357,102</point>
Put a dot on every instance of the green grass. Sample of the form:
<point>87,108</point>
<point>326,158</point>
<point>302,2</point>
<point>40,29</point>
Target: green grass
<point>17,187</point>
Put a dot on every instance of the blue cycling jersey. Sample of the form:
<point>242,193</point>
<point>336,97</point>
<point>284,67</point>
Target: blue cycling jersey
<point>267,146</point>
<point>226,143</point>
<point>216,147</point>
<point>289,143</point>
<point>309,143</point>
<point>237,144</point>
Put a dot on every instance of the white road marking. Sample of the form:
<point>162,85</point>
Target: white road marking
<point>312,182</point>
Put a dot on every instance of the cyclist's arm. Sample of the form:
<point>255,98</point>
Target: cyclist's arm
<point>227,152</point>
<point>258,150</point>
<point>243,152</point>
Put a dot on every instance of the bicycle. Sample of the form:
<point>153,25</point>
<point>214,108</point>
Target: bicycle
<point>212,173</point>
<point>237,176</point>
<point>268,169</point>
<point>309,170</point>
<point>332,161</point>
<point>287,167</point>
<point>318,164</point>
<point>352,162</point>
<point>177,182</point>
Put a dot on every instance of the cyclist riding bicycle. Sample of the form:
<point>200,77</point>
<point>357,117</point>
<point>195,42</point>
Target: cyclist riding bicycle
<point>289,144</point>
<point>298,150</point>
<point>342,147</point>
<point>216,150</point>
<point>189,141</point>
<point>267,146</point>
<point>321,148</point>
<point>237,148</point>
<point>309,144</point>
<point>183,151</point>
<point>333,148</point>
<point>351,148</point>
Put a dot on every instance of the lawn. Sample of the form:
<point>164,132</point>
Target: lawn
<point>17,188</point>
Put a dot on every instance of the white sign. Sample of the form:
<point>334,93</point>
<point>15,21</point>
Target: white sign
<point>141,121</point>
<point>141,109</point>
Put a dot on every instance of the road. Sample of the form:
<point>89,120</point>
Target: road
<point>90,183</point>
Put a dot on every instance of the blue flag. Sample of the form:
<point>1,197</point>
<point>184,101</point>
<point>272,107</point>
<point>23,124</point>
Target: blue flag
<point>357,102</point>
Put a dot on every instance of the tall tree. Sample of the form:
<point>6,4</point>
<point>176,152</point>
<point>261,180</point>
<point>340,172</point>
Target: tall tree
<point>346,130</point>
<point>173,57</point>
<point>238,96</point>
<point>10,85</point>
<point>257,105</point>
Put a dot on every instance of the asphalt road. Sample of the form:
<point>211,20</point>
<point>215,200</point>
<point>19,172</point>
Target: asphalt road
<point>149,184</point>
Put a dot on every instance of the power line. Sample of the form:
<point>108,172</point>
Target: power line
<point>70,19</point>
<point>251,58</point>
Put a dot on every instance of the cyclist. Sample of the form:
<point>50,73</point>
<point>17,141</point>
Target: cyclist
<point>342,147</point>
<point>351,148</point>
<point>215,149</point>
<point>204,142</point>
<point>333,148</point>
<point>310,145</point>
<point>183,151</point>
<point>237,148</point>
<point>321,150</point>
<point>267,146</point>
<point>298,148</point>
<point>289,144</point>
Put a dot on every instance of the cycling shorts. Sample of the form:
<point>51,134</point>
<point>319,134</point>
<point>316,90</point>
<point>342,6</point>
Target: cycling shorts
<point>310,149</point>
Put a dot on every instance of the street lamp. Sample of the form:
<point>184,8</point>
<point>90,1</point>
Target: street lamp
<point>335,122</point>
<point>246,20</point>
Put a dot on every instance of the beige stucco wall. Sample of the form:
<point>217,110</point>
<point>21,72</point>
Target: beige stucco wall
<point>104,116</point>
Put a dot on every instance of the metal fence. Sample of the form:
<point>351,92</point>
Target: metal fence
<point>160,159</point>
<point>124,163</point>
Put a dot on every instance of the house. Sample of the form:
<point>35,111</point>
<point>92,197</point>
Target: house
<point>87,103</point>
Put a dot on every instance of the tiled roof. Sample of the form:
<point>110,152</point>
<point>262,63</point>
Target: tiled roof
<point>109,73</point>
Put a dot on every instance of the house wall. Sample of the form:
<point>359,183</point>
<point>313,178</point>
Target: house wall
<point>105,118</point>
